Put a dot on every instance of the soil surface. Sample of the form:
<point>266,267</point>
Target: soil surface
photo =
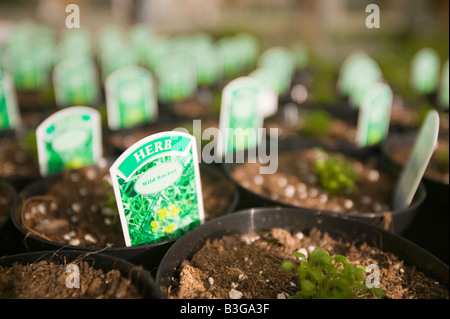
<point>79,208</point>
<point>249,267</point>
<point>338,132</point>
<point>15,160</point>
<point>399,150</point>
<point>296,183</point>
<point>47,280</point>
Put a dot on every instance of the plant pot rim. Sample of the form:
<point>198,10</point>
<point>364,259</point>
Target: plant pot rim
<point>418,200</point>
<point>193,240</point>
<point>113,262</point>
<point>113,249</point>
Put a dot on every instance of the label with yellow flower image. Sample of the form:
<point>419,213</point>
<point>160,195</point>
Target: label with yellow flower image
<point>69,139</point>
<point>157,188</point>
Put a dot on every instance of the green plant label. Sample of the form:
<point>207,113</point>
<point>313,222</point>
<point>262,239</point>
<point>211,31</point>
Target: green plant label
<point>240,116</point>
<point>176,77</point>
<point>9,112</point>
<point>69,139</point>
<point>269,81</point>
<point>374,115</point>
<point>75,82</point>
<point>366,75</point>
<point>347,72</point>
<point>28,70</point>
<point>443,95</point>
<point>414,169</point>
<point>424,75</point>
<point>157,188</point>
<point>232,60</point>
<point>208,64</point>
<point>281,60</point>
<point>130,97</point>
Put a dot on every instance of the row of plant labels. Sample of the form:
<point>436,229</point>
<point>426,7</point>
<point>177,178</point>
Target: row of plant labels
<point>359,72</point>
<point>157,180</point>
<point>31,52</point>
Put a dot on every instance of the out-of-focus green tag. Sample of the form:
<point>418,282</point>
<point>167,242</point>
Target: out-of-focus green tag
<point>374,115</point>
<point>281,61</point>
<point>130,98</point>
<point>69,139</point>
<point>424,75</point>
<point>9,112</point>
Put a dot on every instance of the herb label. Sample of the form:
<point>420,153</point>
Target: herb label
<point>424,75</point>
<point>75,82</point>
<point>282,62</point>
<point>177,78</point>
<point>9,112</point>
<point>374,115</point>
<point>240,115</point>
<point>414,169</point>
<point>69,139</point>
<point>443,95</point>
<point>157,188</point>
<point>348,70</point>
<point>268,79</point>
<point>365,75</point>
<point>130,97</point>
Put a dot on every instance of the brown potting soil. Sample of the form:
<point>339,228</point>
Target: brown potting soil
<point>438,167</point>
<point>249,267</point>
<point>47,280</point>
<point>15,160</point>
<point>296,183</point>
<point>339,131</point>
<point>79,208</point>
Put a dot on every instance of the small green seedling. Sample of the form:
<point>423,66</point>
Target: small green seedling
<point>326,277</point>
<point>336,174</point>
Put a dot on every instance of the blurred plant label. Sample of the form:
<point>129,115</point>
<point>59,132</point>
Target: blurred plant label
<point>75,82</point>
<point>9,112</point>
<point>69,139</point>
<point>424,75</point>
<point>443,95</point>
<point>374,115</point>
<point>364,77</point>
<point>130,97</point>
<point>240,115</point>
<point>268,79</point>
<point>414,169</point>
<point>28,70</point>
<point>347,72</point>
<point>282,61</point>
<point>176,77</point>
<point>157,188</point>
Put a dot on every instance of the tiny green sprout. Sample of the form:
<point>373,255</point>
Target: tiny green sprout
<point>110,201</point>
<point>325,277</point>
<point>336,174</point>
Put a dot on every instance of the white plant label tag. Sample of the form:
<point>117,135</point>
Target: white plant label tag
<point>374,115</point>
<point>158,189</point>
<point>414,169</point>
<point>69,139</point>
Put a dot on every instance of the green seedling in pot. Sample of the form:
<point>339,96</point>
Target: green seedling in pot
<point>325,277</point>
<point>336,174</point>
<point>316,123</point>
<point>110,202</point>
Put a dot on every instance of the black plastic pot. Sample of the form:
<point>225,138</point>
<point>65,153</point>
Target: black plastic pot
<point>6,226</point>
<point>295,220</point>
<point>148,256</point>
<point>432,216</point>
<point>395,222</point>
<point>139,277</point>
